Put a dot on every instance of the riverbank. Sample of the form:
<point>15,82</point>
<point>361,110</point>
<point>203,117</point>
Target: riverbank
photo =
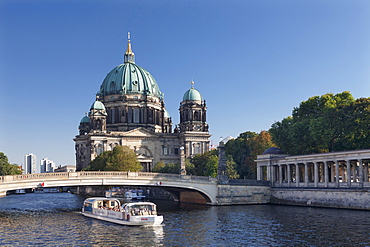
<point>330,198</point>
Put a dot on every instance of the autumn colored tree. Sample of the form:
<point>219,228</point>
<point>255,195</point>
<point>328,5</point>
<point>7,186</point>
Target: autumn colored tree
<point>257,145</point>
<point>244,150</point>
<point>239,150</point>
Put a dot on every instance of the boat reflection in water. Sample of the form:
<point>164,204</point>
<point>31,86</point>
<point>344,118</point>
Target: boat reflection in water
<point>133,213</point>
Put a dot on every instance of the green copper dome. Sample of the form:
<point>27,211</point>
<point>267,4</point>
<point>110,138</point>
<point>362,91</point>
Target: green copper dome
<point>129,78</point>
<point>97,105</point>
<point>85,119</point>
<point>192,94</point>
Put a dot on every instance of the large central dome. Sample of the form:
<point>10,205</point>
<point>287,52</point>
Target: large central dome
<point>129,78</point>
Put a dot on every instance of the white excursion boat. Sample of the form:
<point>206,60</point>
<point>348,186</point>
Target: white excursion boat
<point>133,213</point>
<point>21,191</point>
<point>125,194</point>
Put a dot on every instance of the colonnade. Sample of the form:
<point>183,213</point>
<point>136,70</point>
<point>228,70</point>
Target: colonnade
<point>329,170</point>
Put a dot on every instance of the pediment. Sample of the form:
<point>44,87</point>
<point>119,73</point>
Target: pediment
<point>141,132</point>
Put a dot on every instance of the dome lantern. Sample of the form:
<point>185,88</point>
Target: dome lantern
<point>129,55</point>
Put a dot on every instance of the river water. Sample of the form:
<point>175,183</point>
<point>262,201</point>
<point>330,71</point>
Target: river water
<point>53,219</point>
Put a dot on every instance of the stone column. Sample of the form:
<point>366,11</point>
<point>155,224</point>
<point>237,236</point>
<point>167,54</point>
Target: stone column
<point>316,171</point>
<point>306,174</point>
<point>280,174</point>
<point>361,173</point>
<point>268,172</point>
<point>273,175</point>
<point>332,171</point>
<point>336,173</point>
<point>259,168</point>
<point>222,171</point>
<point>348,173</point>
<point>353,172</point>
<point>326,173</point>
<point>297,178</point>
<point>366,172</point>
<point>289,177</point>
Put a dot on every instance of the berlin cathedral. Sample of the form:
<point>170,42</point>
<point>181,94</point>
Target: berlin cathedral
<point>129,110</point>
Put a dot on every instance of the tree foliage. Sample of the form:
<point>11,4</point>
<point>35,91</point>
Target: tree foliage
<point>231,168</point>
<point>174,168</point>
<point>324,124</point>
<point>121,158</point>
<point>6,168</point>
<point>244,150</point>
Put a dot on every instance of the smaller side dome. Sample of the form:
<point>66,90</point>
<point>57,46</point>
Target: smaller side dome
<point>192,94</point>
<point>166,114</point>
<point>97,105</point>
<point>273,150</point>
<point>85,119</point>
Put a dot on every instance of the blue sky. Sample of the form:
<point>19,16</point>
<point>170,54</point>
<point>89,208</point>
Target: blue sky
<point>252,60</point>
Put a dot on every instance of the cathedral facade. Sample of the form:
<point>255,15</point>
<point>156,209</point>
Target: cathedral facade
<point>130,110</point>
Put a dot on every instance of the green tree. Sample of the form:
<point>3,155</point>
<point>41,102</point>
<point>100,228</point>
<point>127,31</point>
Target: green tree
<point>211,166</point>
<point>121,158</point>
<point>201,161</point>
<point>239,150</point>
<point>190,168</point>
<point>231,168</point>
<point>158,166</point>
<point>6,168</point>
<point>244,150</point>
<point>323,124</point>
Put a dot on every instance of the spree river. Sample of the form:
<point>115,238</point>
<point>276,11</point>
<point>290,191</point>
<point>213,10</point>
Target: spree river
<point>54,219</point>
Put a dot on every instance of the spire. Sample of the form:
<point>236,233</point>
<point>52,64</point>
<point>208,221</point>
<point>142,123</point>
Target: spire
<point>129,55</point>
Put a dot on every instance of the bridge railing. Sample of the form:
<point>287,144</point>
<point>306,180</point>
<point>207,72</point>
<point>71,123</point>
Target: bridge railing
<point>104,174</point>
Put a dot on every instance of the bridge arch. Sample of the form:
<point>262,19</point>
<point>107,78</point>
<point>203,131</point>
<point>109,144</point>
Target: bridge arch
<point>185,188</point>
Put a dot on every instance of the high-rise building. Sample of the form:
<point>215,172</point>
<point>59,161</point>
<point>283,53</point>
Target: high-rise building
<point>29,165</point>
<point>47,165</point>
<point>130,110</point>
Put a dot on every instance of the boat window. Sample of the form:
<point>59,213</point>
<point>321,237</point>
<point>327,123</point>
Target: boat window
<point>142,210</point>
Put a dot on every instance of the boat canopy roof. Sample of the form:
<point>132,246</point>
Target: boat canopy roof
<point>92,199</point>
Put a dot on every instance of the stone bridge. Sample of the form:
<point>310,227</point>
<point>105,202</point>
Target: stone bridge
<point>194,189</point>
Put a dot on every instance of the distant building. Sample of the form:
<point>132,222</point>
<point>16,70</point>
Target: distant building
<point>66,168</point>
<point>130,110</point>
<point>226,139</point>
<point>29,166</point>
<point>47,165</point>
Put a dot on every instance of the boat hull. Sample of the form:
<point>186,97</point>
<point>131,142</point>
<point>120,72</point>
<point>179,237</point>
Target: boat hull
<point>134,221</point>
